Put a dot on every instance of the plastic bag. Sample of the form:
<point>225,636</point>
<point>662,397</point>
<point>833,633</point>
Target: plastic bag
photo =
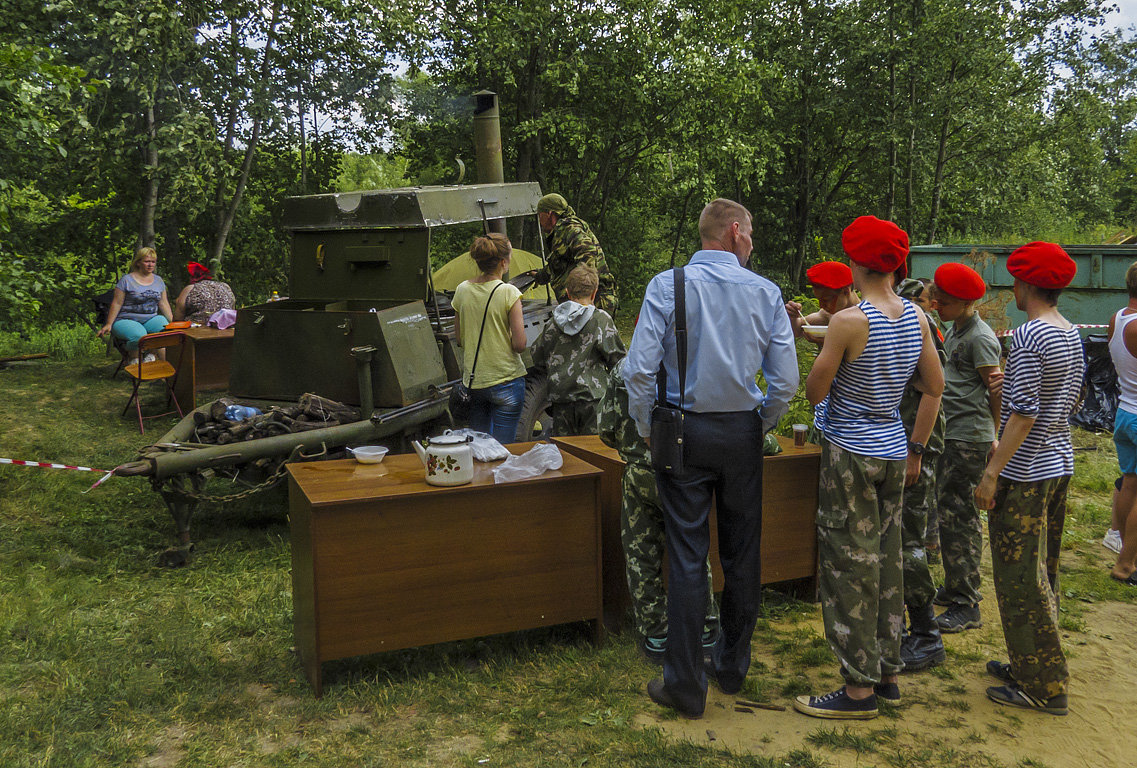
<point>1100,389</point>
<point>483,446</point>
<point>535,461</point>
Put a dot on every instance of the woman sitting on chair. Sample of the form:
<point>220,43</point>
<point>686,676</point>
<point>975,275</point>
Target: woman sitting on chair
<point>203,296</point>
<point>140,305</point>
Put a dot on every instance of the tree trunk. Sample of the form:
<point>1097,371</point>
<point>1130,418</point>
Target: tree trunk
<point>146,237</point>
<point>890,202</point>
<point>226,216</point>
<point>303,141</point>
<point>941,154</point>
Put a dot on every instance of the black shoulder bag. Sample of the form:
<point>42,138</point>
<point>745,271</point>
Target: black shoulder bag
<point>666,419</point>
<point>460,394</point>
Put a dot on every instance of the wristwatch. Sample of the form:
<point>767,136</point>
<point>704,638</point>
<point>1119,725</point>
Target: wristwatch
<point>916,448</point>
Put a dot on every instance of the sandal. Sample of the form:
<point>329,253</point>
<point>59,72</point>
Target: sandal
<point>1130,582</point>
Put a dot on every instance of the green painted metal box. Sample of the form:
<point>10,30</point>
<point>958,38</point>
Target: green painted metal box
<point>1097,292</point>
<point>287,348</point>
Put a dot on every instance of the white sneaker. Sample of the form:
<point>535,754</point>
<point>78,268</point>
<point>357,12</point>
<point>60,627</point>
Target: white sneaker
<point>1112,541</point>
<point>150,357</point>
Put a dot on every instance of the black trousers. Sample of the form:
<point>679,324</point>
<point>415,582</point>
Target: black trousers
<point>723,457</point>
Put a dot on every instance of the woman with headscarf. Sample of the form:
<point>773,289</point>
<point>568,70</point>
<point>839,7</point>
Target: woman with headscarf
<point>569,243</point>
<point>203,296</point>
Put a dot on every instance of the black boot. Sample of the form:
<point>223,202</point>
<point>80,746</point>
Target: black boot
<point>922,647</point>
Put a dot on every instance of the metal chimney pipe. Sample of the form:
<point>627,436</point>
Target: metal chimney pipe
<point>487,145</point>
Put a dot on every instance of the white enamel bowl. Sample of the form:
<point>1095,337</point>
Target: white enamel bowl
<point>369,454</point>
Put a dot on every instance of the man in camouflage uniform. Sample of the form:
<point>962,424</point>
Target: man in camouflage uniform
<point>970,409</point>
<point>569,242</point>
<point>1025,482</point>
<point>641,525</point>
<point>871,352</point>
<point>576,349</point>
<point>921,646</point>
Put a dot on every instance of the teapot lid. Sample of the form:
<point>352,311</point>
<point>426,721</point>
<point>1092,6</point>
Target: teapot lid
<point>449,438</point>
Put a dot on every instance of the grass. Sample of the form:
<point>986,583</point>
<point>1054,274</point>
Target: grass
<point>108,660</point>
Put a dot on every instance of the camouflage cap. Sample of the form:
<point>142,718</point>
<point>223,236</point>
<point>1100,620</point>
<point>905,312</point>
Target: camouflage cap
<point>910,288</point>
<point>553,203</point>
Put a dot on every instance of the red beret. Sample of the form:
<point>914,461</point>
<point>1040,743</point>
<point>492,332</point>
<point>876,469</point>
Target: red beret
<point>1044,265</point>
<point>830,274</point>
<point>960,281</point>
<point>875,244</point>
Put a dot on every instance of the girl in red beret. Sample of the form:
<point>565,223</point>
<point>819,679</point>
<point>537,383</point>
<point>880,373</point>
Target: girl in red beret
<point>1024,485</point>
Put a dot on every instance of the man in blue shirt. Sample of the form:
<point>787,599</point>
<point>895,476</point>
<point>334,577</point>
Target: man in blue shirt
<point>736,326</point>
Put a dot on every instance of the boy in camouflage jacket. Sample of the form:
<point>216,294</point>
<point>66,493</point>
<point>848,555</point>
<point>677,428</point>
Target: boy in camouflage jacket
<point>577,349</point>
<point>641,525</point>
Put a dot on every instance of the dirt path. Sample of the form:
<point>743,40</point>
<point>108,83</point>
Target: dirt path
<point>945,718</point>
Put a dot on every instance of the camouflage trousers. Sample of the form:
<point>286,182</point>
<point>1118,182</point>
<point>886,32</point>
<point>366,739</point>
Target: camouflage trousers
<point>961,529</point>
<point>919,498</point>
<point>1026,518</point>
<point>861,579</point>
<point>574,418</point>
<point>641,531</point>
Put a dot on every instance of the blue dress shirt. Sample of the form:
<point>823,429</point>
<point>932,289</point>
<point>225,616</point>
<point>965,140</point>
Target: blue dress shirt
<point>736,325</point>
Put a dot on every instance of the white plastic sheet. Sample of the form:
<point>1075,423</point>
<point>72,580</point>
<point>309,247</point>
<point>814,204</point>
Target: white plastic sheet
<point>536,461</point>
<point>483,446</point>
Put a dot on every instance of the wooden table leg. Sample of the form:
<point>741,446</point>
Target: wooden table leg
<point>186,385</point>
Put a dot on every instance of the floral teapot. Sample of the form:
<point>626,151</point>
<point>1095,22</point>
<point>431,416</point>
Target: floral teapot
<point>447,458</point>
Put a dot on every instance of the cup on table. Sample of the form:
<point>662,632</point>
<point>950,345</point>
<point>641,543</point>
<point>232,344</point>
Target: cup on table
<point>799,435</point>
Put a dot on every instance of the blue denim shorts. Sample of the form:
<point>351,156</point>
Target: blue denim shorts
<point>1125,438</point>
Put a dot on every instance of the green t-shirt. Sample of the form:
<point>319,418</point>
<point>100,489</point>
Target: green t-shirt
<point>969,346</point>
<point>497,362</point>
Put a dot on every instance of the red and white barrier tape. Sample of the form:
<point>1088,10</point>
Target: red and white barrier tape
<point>50,465</point>
<point>1076,325</point>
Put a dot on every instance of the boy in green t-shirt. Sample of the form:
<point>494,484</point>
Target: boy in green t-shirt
<point>971,404</point>
<point>577,349</point>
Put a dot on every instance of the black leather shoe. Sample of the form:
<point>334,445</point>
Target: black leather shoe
<point>657,693</point>
<point>709,668</point>
<point>919,651</point>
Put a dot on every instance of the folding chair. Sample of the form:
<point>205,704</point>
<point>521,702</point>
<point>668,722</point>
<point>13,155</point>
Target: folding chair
<point>102,304</point>
<point>155,370</point>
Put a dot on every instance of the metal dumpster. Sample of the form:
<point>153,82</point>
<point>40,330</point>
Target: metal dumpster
<point>1098,290</point>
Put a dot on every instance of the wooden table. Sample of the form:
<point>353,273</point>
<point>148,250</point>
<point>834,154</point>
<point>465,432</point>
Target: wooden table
<point>789,509</point>
<point>382,561</point>
<point>203,364</point>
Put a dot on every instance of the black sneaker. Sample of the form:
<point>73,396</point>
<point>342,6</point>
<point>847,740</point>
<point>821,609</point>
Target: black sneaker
<point>710,637</point>
<point>889,693</point>
<point>1014,696</point>
<point>657,693</point>
<point>1001,670</point>
<point>653,648</point>
<point>941,598</point>
<point>837,706</point>
<point>958,618</point>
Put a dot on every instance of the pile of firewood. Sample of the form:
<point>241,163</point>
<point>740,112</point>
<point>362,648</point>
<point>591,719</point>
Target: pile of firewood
<point>311,412</point>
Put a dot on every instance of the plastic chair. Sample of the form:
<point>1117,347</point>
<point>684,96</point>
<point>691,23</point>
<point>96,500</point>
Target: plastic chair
<point>155,370</point>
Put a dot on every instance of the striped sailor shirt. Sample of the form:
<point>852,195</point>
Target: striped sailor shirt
<point>862,412</point>
<point>1043,378</point>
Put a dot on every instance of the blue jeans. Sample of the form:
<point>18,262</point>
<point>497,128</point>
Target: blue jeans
<point>131,331</point>
<point>497,409</point>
